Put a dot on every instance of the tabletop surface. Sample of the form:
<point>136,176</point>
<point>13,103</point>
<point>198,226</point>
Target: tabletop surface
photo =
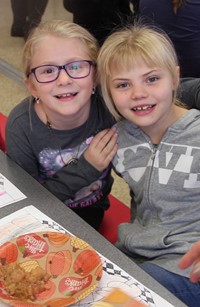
<point>42,199</point>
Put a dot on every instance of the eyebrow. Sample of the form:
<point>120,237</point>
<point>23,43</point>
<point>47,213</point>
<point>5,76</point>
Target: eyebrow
<point>151,71</point>
<point>52,63</point>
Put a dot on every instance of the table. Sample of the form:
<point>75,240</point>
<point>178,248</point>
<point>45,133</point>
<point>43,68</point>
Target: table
<point>42,199</point>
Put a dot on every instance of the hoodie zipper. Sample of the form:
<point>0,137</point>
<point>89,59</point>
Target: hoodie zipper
<point>154,149</point>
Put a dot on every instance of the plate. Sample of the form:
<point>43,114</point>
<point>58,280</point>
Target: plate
<point>74,266</point>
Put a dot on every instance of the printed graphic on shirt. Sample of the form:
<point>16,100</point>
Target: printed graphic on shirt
<point>51,160</point>
<point>173,160</point>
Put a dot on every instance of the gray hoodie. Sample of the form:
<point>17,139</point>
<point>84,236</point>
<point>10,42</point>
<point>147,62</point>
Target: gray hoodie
<point>165,185</point>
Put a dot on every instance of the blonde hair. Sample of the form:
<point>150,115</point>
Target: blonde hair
<point>122,50</point>
<point>58,28</point>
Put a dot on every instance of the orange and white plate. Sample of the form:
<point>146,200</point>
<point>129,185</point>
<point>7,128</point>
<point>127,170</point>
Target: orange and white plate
<point>74,266</point>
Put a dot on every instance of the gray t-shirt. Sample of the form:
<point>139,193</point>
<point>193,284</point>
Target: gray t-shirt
<point>42,152</point>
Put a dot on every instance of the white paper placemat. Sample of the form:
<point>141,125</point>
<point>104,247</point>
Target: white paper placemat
<point>31,219</point>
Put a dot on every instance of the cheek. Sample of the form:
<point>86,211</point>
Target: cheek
<point>163,93</point>
<point>114,95</point>
<point>44,89</point>
<point>87,86</point>
<point>32,89</point>
<point>118,98</point>
<point>168,95</point>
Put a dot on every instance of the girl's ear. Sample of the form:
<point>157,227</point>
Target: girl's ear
<point>30,87</point>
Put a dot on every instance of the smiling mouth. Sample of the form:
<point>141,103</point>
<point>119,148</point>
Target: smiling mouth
<point>143,108</point>
<point>66,95</point>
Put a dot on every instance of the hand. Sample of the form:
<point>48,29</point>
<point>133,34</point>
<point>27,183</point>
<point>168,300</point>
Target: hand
<point>192,257</point>
<point>102,149</point>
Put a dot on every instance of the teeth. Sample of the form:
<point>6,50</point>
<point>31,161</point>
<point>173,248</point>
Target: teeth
<point>142,108</point>
<point>65,95</point>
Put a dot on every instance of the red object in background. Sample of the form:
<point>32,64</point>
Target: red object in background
<point>3,120</point>
<point>117,213</point>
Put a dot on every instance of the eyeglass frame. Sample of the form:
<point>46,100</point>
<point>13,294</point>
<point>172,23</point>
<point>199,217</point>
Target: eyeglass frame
<point>60,67</point>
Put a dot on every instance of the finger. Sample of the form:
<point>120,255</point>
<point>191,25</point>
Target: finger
<point>185,261</point>
<point>107,142</point>
<point>111,154</point>
<point>109,139</point>
<point>195,274</point>
<point>107,156</point>
<point>191,256</point>
<point>102,138</point>
<point>109,149</point>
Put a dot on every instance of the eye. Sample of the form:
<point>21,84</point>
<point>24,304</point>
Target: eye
<point>152,79</point>
<point>74,66</point>
<point>122,85</point>
<point>48,70</point>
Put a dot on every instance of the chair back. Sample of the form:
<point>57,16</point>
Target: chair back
<point>117,213</point>
<point>3,120</point>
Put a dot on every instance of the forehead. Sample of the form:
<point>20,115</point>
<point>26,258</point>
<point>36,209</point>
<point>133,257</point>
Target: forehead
<point>58,49</point>
<point>128,64</point>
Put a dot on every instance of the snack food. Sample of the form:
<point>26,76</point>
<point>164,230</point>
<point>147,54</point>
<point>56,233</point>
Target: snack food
<point>24,282</point>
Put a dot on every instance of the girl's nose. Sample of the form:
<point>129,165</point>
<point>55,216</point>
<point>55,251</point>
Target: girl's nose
<point>63,77</point>
<point>139,92</point>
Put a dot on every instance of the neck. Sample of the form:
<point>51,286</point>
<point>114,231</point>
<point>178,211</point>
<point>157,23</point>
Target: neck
<point>156,132</point>
<point>60,122</point>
